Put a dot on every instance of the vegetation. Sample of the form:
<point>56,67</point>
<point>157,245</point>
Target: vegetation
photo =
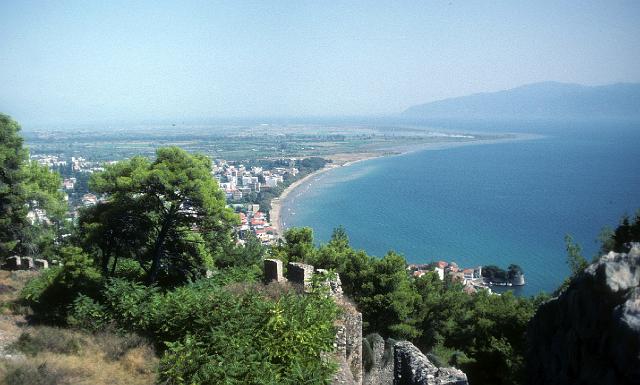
<point>13,214</point>
<point>473,332</point>
<point>24,187</point>
<point>130,296</point>
<point>168,214</point>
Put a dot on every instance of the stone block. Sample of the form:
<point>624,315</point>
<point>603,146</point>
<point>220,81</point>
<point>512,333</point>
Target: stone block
<point>27,263</point>
<point>300,273</point>
<point>273,270</point>
<point>13,263</point>
<point>41,263</point>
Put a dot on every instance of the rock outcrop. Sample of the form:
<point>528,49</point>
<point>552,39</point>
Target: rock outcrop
<point>411,367</point>
<point>590,334</point>
<point>402,363</point>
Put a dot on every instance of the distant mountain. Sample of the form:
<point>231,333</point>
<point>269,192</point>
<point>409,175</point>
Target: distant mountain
<point>538,100</point>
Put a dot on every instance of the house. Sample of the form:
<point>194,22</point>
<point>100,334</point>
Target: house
<point>89,199</point>
<point>419,273</point>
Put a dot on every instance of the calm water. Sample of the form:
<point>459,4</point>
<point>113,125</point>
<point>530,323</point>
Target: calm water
<point>485,204</point>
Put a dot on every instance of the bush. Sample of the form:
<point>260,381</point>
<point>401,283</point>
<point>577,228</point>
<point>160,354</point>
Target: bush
<point>213,334</point>
<point>47,339</point>
<point>87,314</point>
<point>116,346</point>
<point>43,374</point>
<point>129,269</point>
<point>52,293</point>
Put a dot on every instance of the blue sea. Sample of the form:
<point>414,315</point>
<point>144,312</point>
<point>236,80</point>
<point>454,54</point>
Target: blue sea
<point>503,203</point>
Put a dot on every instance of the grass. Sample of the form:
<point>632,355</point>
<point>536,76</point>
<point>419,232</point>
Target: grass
<point>44,355</point>
<point>47,355</point>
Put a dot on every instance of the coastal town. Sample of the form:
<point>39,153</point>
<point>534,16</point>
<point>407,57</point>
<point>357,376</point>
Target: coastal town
<point>473,279</point>
<point>248,189</point>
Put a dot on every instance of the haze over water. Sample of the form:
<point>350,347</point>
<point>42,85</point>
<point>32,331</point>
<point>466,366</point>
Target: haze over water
<point>485,204</point>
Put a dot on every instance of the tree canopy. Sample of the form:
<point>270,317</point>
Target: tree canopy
<point>169,214</point>
<point>12,199</point>
<point>25,186</point>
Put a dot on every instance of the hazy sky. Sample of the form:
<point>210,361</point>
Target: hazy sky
<point>64,61</point>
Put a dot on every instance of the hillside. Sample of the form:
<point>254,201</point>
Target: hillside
<point>545,100</point>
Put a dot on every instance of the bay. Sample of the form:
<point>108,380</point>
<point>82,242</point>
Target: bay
<point>503,203</point>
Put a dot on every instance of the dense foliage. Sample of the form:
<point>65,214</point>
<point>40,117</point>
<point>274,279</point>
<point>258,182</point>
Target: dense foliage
<point>24,188</point>
<point>137,259</point>
<point>473,332</point>
<point>168,214</point>
<point>12,201</point>
<point>223,330</point>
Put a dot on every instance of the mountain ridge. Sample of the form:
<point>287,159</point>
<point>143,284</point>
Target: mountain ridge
<point>538,100</point>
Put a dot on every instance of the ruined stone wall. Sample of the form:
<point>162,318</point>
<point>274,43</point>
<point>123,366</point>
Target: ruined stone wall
<point>411,367</point>
<point>590,334</point>
<point>408,366</point>
<point>25,263</point>
<point>348,328</point>
<point>401,363</point>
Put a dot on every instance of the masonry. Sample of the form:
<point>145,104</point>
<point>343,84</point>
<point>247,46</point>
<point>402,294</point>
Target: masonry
<point>409,366</point>
<point>25,263</point>
<point>348,341</point>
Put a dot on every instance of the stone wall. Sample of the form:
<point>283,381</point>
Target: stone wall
<point>273,270</point>
<point>401,363</point>
<point>300,274</point>
<point>24,263</point>
<point>590,334</point>
<point>348,340</point>
<point>411,367</point>
<point>379,368</point>
<point>408,366</point>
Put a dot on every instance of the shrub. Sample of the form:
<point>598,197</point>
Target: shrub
<point>129,269</point>
<point>87,314</point>
<point>117,345</point>
<point>48,339</point>
<point>217,335</point>
<point>51,294</point>
<point>43,374</point>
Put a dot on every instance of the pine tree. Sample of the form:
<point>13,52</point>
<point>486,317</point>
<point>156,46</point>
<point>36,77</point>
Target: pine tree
<point>12,195</point>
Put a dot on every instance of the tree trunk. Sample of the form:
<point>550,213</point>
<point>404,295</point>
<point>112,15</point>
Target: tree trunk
<point>113,267</point>
<point>158,247</point>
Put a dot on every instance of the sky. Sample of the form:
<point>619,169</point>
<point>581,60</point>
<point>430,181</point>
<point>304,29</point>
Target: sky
<point>92,61</point>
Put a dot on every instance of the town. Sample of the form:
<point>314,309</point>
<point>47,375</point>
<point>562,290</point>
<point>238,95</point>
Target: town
<point>249,187</point>
<point>473,279</point>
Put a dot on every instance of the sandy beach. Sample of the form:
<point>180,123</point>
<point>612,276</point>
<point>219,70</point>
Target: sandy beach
<point>338,160</point>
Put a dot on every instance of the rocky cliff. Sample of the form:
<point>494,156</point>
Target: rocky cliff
<point>590,334</point>
<point>402,363</point>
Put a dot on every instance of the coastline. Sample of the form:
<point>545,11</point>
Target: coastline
<point>338,160</point>
<point>345,160</point>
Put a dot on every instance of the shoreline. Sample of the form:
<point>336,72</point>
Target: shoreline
<point>338,160</point>
<point>345,160</point>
